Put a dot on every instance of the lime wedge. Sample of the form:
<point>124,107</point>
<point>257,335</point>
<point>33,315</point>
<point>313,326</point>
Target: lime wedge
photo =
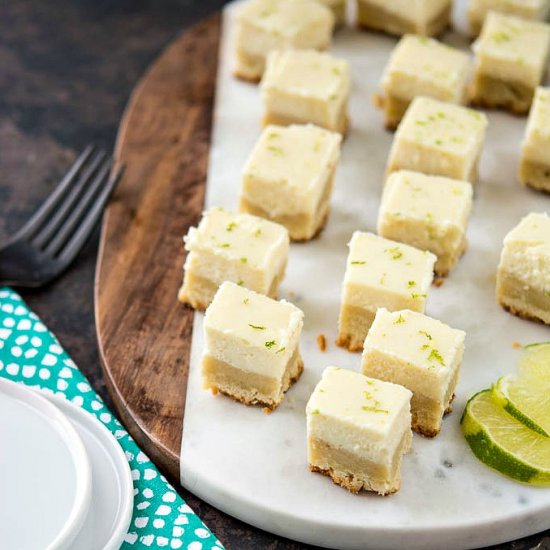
<point>527,403</point>
<point>535,362</point>
<point>526,396</point>
<point>503,443</point>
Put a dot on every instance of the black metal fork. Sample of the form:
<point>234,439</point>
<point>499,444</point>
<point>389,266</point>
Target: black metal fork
<point>47,244</point>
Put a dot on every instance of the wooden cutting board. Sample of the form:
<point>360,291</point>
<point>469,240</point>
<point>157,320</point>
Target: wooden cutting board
<point>144,334</point>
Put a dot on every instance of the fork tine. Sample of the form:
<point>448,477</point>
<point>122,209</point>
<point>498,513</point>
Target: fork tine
<point>73,246</point>
<point>67,227</point>
<point>56,195</point>
<point>64,207</point>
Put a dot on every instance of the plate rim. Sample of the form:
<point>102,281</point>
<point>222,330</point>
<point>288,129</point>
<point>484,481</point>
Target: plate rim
<point>75,447</point>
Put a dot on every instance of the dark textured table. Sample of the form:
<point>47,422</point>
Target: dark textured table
<point>66,70</point>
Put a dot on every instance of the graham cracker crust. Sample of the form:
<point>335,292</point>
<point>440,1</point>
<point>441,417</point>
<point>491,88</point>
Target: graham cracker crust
<point>522,314</point>
<point>356,473</point>
<point>253,394</point>
<point>493,93</point>
<point>535,175</point>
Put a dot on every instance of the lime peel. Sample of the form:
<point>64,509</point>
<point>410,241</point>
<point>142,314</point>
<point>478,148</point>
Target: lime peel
<point>492,435</point>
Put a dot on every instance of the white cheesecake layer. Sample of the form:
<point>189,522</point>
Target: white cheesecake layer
<point>250,331</point>
<point>536,144</point>
<point>381,273</point>
<point>363,415</point>
<point>306,85</point>
<point>424,353</point>
<point>438,138</point>
<point>513,49</point>
<point>526,252</point>
<point>289,168</point>
<point>424,66</point>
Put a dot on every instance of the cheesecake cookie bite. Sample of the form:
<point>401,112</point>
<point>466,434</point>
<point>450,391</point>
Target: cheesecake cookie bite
<point>439,139</point>
<point>266,25</point>
<point>535,151</point>
<point>421,354</point>
<point>523,276</point>
<point>245,249</point>
<point>380,273</point>
<point>526,9</point>
<point>301,86</point>
<point>289,177</point>
<point>421,66</point>
<point>424,17</point>
<point>428,212</point>
<point>358,430</point>
<point>251,349</point>
<point>338,8</point>
<point>511,61</point>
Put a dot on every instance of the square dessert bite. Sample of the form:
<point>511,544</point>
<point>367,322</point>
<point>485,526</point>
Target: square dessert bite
<point>358,429</point>
<point>523,276</point>
<point>420,353</point>
<point>511,61</point>
<point>289,177</point>
<point>301,86</point>
<point>380,273</point>
<point>428,212</point>
<point>440,139</point>
<point>526,9</point>
<point>251,346</point>
<point>338,8</point>
<point>421,66</point>
<point>424,17</point>
<point>245,249</point>
<point>535,152</point>
<point>266,25</point>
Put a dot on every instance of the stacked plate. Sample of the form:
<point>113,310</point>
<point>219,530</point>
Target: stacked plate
<point>64,480</point>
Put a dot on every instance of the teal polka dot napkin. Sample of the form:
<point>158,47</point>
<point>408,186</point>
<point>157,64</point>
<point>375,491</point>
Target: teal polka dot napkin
<point>31,355</point>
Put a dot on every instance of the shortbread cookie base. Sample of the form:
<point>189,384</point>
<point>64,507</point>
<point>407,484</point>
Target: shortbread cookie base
<point>427,412</point>
<point>353,326</point>
<point>341,127</point>
<point>249,67</point>
<point>370,16</point>
<point>535,175</point>
<point>248,387</point>
<point>494,93</point>
<point>394,110</point>
<point>301,227</point>
<point>518,298</point>
<point>356,473</point>
<point>198,291</point>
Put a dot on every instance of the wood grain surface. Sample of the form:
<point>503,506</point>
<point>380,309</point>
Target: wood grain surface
<point>144,334</point>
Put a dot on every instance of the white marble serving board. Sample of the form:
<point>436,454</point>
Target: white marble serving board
<point>254,466</point>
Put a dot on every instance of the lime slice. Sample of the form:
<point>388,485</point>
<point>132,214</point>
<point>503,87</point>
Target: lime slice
<point>527,395</point>
<point>528,403</point>
<point>503,443</point>
<point>535,362</point>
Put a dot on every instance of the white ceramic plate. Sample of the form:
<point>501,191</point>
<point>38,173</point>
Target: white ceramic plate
<point>254,466</point>
<point>112,500</point>
<point>45,475</point>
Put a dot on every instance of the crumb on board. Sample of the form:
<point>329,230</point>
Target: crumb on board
<point>516,345</point>
<point>214,391</point>
<point>267,410</point>
<point>438,281</point>
<point>378,101</point>
<point>291,294</point>
<point>322,342</point>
